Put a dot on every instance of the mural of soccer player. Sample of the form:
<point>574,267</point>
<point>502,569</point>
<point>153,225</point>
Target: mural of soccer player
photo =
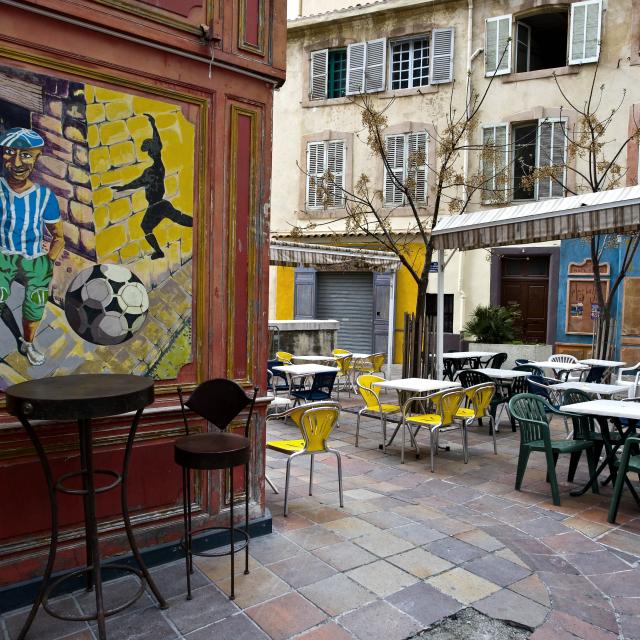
<point>25,209</point>
<point>152,181</point>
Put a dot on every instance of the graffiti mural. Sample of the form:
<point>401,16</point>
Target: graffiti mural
<point>96,230</point>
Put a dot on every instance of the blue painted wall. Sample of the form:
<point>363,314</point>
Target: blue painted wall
<point>577,251</point>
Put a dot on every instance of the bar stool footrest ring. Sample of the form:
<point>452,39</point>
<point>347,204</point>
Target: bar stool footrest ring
<point>238,545</point>
<point>93,616</point>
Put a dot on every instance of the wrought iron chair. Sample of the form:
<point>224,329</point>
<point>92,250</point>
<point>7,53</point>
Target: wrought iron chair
<point>218,401</point>
<point>372,405</point>
<point>316,421</point>
<point>531,411</point>
<point>321,388</point>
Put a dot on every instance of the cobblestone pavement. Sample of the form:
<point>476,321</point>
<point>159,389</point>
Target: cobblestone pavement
<point>409,548</point>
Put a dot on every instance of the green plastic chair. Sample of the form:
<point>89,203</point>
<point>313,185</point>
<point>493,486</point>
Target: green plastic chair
<point>531,411</point>
<point>627,463</point>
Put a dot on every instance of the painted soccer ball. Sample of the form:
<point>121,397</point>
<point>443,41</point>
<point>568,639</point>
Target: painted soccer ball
<point>106,304</point>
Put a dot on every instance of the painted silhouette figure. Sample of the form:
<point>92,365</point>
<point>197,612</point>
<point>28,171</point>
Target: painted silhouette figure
<point>152,181</point>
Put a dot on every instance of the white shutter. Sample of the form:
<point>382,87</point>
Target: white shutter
<point>442,55</point>
<point>494,160</point>
<point>335,166</point>
<point>356,56</point>
<point>551,152</point>
<point>319,66</point>
<point>376,60</point>
<point>393,195</point>
<point>584,37</point>
<point>315,173</point>
<point>418,159</point>
<point>497,38</point>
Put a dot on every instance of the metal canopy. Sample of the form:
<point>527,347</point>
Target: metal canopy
<point>330,258</point>
<point>613,211</point>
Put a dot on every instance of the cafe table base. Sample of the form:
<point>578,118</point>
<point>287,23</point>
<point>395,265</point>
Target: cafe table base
<point>91,395</point>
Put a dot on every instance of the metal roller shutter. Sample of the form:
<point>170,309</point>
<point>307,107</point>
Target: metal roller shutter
<point>347,297</point>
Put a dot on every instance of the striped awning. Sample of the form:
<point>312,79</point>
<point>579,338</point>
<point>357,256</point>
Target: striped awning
<point>330,258</point>
<point>613,211</point>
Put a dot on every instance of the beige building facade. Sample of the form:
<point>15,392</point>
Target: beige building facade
<point>413,59</point>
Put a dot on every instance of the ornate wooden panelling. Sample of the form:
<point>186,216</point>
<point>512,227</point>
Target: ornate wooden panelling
<point>251,31</point>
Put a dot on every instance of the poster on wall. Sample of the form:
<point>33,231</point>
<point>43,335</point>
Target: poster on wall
<point>96,230</point>
<point>582,305</point>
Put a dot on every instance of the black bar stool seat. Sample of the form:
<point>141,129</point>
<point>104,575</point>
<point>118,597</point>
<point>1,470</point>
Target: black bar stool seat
<point>212,451</point>
<point>218,401</point>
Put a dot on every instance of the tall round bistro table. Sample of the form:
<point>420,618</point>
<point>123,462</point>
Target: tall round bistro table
<point>81,398</point>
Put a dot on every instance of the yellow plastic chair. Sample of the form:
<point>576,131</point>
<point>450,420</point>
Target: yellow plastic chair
<point>344,372</point>
<point>316,421</point>
<point>285,357</point>
<point>340,352</point>
<point>447,404</point>
<point>373,364</point>
<point>372,405</point>
<point>478,401</point>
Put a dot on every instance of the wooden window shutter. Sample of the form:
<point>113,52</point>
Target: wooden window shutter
<point>335,166</point>
<point>315,173</point>
<point>319,68</point>
<point>304,297</point>
<point>584,34</point>
<point>356,59</point>
<point>551,152</point>
<point>494,160</point>
<point>376,60</point>
<point>442,55</point>
<point>417,163</point>
<point>393,194</point>
<point>497,38</point>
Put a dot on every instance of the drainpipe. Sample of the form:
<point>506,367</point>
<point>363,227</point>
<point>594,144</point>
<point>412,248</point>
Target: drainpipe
<point>300,8</point>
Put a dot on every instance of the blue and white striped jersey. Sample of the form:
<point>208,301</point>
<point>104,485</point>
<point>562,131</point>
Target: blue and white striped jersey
<point>22,218</point>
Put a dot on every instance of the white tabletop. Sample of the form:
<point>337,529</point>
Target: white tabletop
<point>463,355</point>
<point>311,358</point>
<point>417,385</point>
<point>560,366</point>
<point>592,387</point>
<point>594,362</point>
<point>503,374</point>
<point>304,369</point>
<point>607,408</point>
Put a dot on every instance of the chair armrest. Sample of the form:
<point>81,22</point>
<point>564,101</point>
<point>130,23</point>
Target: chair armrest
<point>430,396</point>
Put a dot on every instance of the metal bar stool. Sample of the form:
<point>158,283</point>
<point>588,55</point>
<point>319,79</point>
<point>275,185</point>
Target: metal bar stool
<point>219,401</point>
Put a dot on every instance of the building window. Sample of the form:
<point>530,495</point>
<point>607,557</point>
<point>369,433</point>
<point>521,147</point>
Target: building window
<point>524,159</point>
<point>432,309</point>
<point>337,80</point>
<point>545,40</point>
<point>410,63</point>
<point>325,174</point>
<point>407,157</point>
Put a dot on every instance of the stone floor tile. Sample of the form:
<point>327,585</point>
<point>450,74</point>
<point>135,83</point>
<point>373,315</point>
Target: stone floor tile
<point>275,547</point>
<point>379,621</point>
<point>419,534</point>
<point>383,544</point>
<point>596,563</point>
<point>497,570</point>
<point>116,593</point>
<point>542,527</point>
<point>588,608</point>
<point>571,542</point>
<point>509,555</point>
<point>418,513</point>
<point>563,623</point>
<point>481,539</point>
<point>463,585</point>
<point>361,494</point>
<point>219,568</point>
<point>532,588</point>
<point>314,537</point>
<point>337,594</point>
<point>238,627</point>
<point>258,586</point>
<point>424,603</point>
<point>510,606</point>
<point>45,627</point>
<point>455,550</point>
<point>324,514</point>
<point>291,522</point>
<point>623,583</point>
<point>381,577</point>
<point>329,631</point>
<point>344,555</point>
<point>286,616</point>
<point>420,563</point>
<point>171,578</point>
<point>589,528</point>
<point>627,606</point>
<point>623,540</point>
<point>149,624</point>
<point>451,526</point>
<point>208,605</point>
<point>351,527</point>
<point>302,569</point>
<point>385,519</point>
<point>630,626</point>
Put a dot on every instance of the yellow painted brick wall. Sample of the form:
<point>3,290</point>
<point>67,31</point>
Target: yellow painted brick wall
<point>117,127</point>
